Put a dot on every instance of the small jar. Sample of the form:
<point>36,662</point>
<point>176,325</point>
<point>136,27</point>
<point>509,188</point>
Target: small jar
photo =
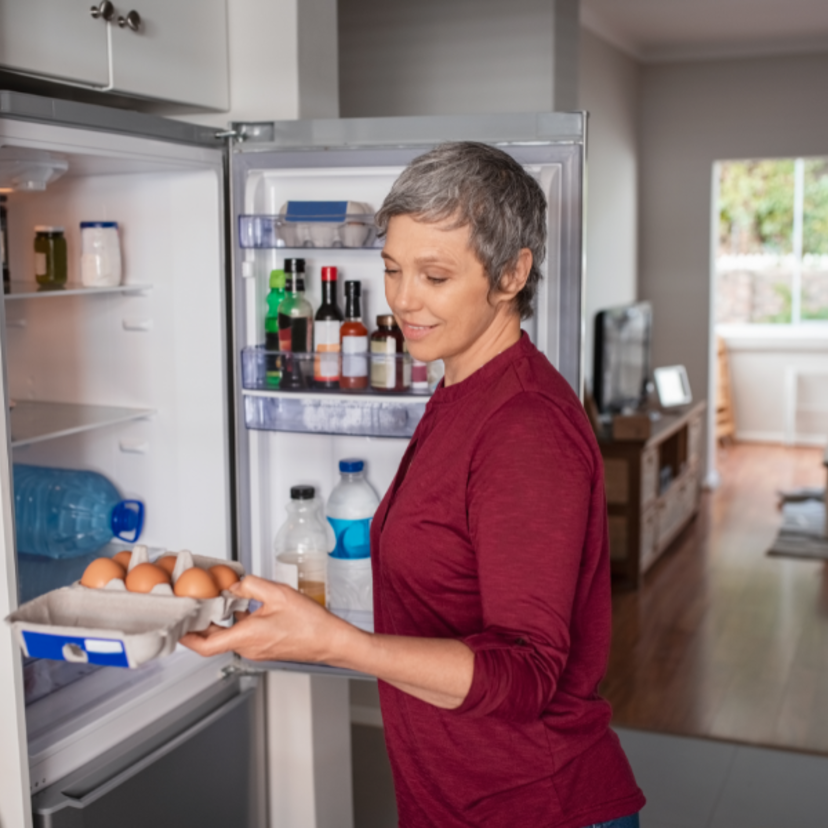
<point>50,256</point>
<point>100,254</point>
<point>390,364</point>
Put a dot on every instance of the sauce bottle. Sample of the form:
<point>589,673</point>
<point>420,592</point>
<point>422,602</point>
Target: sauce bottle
<point>390,364</point>
<point>326,325</point>
<point>353,337</point>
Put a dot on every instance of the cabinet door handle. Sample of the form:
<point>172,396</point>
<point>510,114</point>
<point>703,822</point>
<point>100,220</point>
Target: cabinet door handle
<point>132,20</point>
<point>105,10</point>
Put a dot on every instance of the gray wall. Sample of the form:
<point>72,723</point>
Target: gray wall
<point>609,91</point>
<point>693,114</point>
<point>433,57</point>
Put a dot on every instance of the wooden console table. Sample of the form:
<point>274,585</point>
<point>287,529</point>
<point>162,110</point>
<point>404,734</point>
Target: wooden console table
<point>652,489</point>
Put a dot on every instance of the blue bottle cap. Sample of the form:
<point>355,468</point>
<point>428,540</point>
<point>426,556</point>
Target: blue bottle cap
<point>127,520</point>
<point>351,465</point>
<point>98,224</point>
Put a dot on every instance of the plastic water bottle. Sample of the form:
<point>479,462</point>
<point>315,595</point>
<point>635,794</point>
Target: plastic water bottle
<point>301,545</point>
<point>350,511</point>
<point>62,513</point>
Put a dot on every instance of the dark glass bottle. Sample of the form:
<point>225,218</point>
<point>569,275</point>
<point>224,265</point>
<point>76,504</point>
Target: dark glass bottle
<point>326,325</point>
<point>295,326</point>
<point>390,363</point>
<point>353,337</point>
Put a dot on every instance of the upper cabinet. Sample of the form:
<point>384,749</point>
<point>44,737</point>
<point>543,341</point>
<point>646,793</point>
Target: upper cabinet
<point>157,49</point>
<point>172,51</point>
<point>55,38</point>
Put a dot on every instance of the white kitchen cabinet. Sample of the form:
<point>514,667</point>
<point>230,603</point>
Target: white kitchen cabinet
<point>54,38</point>
<point>173,51</point>
<point>178,53</point>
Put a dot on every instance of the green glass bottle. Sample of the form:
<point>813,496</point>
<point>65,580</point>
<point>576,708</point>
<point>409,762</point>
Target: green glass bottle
<point>273,363</point>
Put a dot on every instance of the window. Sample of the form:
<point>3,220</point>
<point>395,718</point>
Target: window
<point>772,256</point>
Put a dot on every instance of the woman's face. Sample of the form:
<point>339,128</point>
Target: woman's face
<point>438,290</point>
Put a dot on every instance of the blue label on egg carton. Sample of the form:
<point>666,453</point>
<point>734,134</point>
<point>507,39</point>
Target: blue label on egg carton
<point>322,211</point>
<point>105,652</point>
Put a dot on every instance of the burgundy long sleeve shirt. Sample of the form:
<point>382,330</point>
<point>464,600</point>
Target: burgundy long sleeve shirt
<point>494,532</point>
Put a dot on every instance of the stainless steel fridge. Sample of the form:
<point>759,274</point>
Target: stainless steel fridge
<point>157,384</point>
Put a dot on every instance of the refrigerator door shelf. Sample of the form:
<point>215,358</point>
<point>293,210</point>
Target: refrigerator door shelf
<point>279,231</point>
<point>386,374</point>
<point>30,290</point>
<point>34,421</point>
<point>338,414</point>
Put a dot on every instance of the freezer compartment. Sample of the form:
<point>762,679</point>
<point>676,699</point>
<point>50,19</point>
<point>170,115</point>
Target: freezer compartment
<point>201,764</point>
<point>385,374</point>
<point>269,232</point>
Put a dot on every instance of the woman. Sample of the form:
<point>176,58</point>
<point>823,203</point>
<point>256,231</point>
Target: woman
<point>490,555</point>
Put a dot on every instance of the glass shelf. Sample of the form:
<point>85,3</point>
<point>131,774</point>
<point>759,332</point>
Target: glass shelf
<point>31,290</point>
<point>34,422</point>
<point>356,231</point>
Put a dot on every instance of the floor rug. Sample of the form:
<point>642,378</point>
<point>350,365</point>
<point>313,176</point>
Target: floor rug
<point>802,534</point>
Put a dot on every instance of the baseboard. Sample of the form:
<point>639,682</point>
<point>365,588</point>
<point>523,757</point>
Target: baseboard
<point>779,437</point>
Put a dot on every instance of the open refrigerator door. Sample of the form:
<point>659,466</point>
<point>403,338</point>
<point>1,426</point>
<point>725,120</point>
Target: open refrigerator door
<point>130,381</point>
<point>308,190</point>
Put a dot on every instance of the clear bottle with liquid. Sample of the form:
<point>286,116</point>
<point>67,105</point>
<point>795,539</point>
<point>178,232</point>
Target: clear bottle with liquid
<point>301,546</point>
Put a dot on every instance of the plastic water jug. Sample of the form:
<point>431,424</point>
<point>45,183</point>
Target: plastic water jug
<point>62,513</point>
<point>350,511</point>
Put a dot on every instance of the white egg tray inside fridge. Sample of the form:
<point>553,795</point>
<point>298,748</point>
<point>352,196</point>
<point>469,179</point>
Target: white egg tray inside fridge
<point>115,628</point>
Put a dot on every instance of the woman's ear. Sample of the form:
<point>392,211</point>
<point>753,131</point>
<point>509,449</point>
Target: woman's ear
<point>513,281</point>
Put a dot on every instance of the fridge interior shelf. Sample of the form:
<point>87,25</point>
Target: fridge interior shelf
<point>33,422</point>
<point>266,232</point>
<point>31,290</point>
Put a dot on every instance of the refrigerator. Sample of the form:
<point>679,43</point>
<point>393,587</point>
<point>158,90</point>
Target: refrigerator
<point>157,384</point>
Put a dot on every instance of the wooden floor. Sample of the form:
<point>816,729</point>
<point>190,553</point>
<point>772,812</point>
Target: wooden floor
<point>721,640</point>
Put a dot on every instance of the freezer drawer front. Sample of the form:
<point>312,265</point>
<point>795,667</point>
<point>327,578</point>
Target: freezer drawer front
<point>201,770</point>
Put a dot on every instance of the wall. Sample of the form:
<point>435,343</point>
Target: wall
<point>609,91</point>
<point>693,114</point>
<point>430,57</point>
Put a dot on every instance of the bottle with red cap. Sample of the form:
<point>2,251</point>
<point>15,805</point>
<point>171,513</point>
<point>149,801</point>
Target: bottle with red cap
<point>326,326</point>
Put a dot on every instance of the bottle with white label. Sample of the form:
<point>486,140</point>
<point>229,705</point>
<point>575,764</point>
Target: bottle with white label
<point>326,325</point>
<point>350,511</point>
<point>353,338</point>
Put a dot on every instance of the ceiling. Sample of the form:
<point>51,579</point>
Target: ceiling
<point>666,30</point>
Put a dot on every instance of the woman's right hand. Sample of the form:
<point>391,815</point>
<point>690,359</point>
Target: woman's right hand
<point>287,626</point>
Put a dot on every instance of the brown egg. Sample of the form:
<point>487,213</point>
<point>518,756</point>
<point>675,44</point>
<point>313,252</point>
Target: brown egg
<point>195,583</point>
<point>101,571</point>
<point>167,563</point>
<point>224,576</point>
<point>145,576</point>
<point>123,558</point>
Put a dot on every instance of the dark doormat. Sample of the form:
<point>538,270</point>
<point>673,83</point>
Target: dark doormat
<point>802,534</point>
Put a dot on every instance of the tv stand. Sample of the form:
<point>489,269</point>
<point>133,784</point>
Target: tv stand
<point>652,487</point>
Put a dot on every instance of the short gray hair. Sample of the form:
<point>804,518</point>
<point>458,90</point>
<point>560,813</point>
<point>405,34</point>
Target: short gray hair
<point>480,186</point>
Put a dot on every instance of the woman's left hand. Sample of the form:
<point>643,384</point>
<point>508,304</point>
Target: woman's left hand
<point>287,627</point>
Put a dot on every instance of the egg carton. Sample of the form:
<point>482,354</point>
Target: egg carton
<point>112,627</point>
